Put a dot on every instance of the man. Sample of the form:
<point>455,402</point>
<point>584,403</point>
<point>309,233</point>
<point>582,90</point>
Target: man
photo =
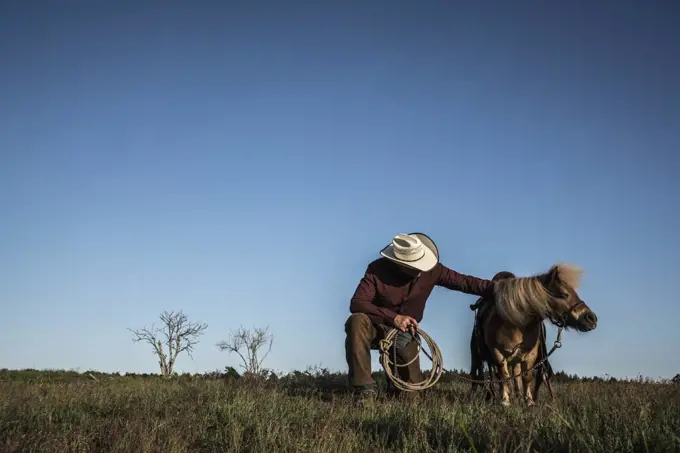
<point>393,293</point>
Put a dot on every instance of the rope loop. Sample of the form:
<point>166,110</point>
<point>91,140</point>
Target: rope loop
<point>437,362</point>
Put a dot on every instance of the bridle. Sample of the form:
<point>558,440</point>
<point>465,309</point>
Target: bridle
<point>561,321</point>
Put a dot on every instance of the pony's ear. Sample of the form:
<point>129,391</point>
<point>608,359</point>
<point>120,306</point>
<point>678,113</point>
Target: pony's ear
<point>551,278</point>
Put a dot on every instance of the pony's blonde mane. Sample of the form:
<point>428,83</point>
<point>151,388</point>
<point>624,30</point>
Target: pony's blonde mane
<point>570,275</point>
<point>521,299</point>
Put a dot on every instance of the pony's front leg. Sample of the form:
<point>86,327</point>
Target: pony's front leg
<point>527,381</point>
<point>529,376</point>
<point>504,385</point>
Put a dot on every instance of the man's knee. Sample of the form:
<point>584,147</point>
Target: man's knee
<point>359,327</point>
<point>358,323</point>
<point>407,348</point>
<point>403,340</point>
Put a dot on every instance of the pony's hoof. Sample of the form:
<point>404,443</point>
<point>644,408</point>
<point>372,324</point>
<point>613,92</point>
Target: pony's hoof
<point>531,403</point>
<point>505,403</point>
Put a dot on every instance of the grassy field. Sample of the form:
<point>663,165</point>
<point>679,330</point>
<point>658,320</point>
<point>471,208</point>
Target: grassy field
<point>60,412</point>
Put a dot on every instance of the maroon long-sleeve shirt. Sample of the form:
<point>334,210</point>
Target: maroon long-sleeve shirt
<point>384,292</point>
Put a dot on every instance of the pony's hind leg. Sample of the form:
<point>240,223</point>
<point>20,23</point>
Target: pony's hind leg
<point>517,373</point>
<point>491,389</point>
<point>504,374</point>
<point>476,370</point>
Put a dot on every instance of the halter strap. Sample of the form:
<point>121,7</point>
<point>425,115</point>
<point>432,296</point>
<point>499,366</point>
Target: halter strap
<point>562,320</point>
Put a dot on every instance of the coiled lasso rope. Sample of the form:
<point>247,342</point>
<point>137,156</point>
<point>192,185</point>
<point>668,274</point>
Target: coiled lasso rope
<point>437,362</point>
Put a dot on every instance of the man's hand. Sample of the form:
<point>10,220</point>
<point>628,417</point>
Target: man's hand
<point>404,323</point>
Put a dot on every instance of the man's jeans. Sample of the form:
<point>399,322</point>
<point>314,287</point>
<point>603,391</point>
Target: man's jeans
<point>362,336</point>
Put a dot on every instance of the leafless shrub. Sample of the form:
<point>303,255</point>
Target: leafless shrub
<point>176,335</point>
<point>248,344</point>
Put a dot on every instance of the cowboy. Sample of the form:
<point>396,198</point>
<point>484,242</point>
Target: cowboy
<point>392,294</point>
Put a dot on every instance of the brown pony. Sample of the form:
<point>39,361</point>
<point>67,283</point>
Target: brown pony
<point>509,334</point>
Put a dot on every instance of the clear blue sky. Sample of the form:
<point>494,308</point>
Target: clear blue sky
<point>245,164</point>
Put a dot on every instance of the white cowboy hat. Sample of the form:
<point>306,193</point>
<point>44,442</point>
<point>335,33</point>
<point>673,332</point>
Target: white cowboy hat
<point>414,250</point>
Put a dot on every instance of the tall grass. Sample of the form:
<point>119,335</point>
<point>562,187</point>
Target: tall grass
<point>305,413</point>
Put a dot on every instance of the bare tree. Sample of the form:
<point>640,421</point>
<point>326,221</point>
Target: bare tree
<point>176,335</point>
<point>248,345</point>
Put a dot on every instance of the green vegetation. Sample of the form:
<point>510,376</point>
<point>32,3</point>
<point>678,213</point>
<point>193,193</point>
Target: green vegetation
<point>311,412</point>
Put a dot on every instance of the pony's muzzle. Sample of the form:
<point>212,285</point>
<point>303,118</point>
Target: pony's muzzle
<point>590,320</point>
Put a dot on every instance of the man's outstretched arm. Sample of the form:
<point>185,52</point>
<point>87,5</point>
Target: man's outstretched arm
<point>362,301</point>
<point>468,284</point>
